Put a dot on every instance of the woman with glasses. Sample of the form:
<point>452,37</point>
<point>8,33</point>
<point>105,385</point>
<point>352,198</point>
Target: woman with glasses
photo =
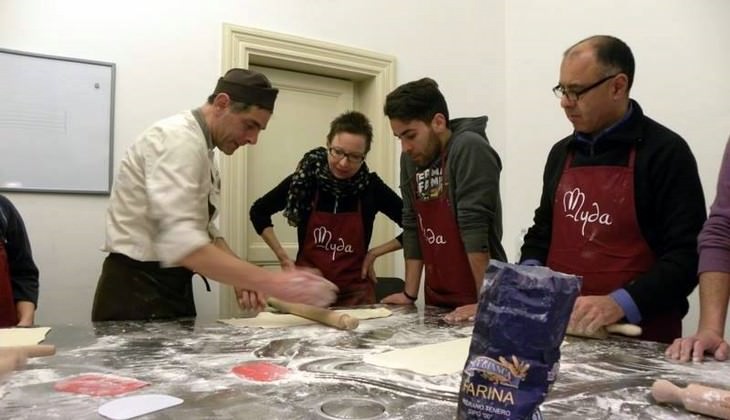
<point>332,198</point>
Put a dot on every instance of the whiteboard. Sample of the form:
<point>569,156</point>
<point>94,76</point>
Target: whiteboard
<point>56,123</point>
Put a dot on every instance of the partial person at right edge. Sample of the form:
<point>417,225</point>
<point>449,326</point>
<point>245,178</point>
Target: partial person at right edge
<point>452,211</point>
<point>714,273</point>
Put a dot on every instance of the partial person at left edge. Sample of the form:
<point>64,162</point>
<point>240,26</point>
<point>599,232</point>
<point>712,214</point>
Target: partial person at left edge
<point>160,226</point>
<point>18,272</point>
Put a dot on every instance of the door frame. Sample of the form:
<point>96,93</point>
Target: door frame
<point>373,75</point>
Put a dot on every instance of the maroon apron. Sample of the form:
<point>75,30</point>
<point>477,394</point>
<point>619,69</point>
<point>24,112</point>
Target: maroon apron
<point>8,313</point>
<point>596,234</point>
<point>449,280</point>
<point>334,244</point>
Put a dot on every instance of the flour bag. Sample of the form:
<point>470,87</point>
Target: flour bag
<point>515,349</point>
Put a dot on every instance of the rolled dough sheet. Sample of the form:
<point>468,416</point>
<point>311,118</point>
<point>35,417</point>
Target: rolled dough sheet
<point>273,320</point>
<point>430,359</point>
<point>11,337</point>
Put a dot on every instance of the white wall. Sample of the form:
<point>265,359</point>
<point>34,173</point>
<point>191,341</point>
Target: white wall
<point>682,67</point>
<point>492,57</point>
<point>168,56</point>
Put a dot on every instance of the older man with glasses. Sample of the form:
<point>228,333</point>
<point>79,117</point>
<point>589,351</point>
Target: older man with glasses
<point>622,202</point>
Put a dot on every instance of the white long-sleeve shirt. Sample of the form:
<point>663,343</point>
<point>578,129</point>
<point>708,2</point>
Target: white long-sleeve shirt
<point>158,209</point>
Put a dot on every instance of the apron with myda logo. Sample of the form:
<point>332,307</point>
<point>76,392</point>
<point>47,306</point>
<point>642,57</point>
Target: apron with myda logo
<point>449,280</point>
<point>334,244</point>
<point>596,234</point>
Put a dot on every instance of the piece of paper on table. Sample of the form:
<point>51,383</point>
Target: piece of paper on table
<point>137,405</point>
<point>275,320</point>
<point>12,337</point>
<point>430,359</point>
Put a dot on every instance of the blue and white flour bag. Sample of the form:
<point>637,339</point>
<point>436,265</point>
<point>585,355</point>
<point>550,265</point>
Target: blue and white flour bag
<point>515,349</point>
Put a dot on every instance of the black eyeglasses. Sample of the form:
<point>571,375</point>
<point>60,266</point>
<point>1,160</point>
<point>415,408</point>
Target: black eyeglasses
<point>574,95</point>
<point>338,154</point>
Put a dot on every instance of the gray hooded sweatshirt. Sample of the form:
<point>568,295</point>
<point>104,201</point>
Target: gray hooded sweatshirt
<point>473,169</point>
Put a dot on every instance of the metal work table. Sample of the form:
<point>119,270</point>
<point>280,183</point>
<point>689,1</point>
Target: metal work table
<point>192,360</point>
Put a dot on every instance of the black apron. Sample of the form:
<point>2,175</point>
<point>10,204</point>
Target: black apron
<point>142,290</point>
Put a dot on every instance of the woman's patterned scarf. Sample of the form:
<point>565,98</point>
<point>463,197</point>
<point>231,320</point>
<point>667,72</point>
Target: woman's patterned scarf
<point>313,173</point>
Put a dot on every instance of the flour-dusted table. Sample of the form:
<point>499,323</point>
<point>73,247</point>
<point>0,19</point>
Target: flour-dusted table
<point>192,360</point>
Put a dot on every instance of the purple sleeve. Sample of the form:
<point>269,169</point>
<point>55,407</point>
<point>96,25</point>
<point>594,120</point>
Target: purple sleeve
<point>626,302</point>
<point>531,262</point>
<point>713,243</point>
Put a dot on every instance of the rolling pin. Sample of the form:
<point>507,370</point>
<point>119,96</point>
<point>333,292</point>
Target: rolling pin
<point>12,358</point>
<point>696,398</point>
<point>321,315</point>
<point>629,330</point>
<point>37,350</point>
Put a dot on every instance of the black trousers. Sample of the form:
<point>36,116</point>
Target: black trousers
<point>142,290</point>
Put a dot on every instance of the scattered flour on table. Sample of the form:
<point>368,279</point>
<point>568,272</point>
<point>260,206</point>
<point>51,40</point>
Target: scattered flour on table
<point>30,377</point>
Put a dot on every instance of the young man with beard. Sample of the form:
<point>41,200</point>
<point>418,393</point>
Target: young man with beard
<point>452,212</point>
